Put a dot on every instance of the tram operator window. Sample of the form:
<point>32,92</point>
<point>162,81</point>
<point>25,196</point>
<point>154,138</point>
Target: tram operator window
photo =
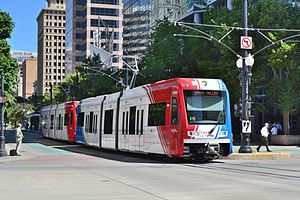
<point>205,107</point>
<point>174,113</point>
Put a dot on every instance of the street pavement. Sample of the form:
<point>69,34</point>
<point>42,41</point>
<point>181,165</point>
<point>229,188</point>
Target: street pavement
<point>49,169</point>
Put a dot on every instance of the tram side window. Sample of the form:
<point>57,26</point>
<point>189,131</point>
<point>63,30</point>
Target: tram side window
<point>52,122</point>
<point>58,122</point>
<point>87,123</point>
<point>142,122</point>
<point>123,124</point>
<point>95,123</point>
<point>66,121</point>
<point>80,119</point>
<point>137,121</point>
<point>91,122</point>
<point>108,121</point>
<point>46,122</point>
<point>157,114</point>
<point>132,120</point>
<point>174,112</point>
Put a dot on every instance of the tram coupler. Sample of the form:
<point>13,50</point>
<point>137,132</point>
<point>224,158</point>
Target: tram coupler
<point>212,150</point>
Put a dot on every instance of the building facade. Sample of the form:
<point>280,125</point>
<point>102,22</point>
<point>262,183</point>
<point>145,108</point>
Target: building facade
<point>29,76</point>
<point>51,45</point>
<point>86,17</point>
<point>140,18</point>
<point>20,56</point>
<point>136,27</point>
<point>172,9</point>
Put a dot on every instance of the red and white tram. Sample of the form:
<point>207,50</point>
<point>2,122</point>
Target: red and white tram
<point>59,121</point>
<point>181,117</point>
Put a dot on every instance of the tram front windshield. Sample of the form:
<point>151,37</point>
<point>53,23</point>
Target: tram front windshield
<point>205,106</point>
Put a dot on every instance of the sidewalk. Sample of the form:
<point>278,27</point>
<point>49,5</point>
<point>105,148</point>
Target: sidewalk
<point>278,153</point>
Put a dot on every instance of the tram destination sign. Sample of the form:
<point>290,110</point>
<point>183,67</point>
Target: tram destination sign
<point>2,99</point>
<point>207,93</point>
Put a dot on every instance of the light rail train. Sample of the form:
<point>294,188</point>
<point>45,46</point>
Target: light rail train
<point>180,117</point>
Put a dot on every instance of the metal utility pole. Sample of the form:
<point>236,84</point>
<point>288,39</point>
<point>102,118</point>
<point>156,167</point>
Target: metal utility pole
<point>245,137</point>
<point>2,138</point>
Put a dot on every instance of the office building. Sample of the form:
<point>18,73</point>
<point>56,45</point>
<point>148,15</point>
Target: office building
<point>51,45</point>
<point>29,76</point>
<point>86,17</point>
<point>20,56</point>
<point>140,18</point>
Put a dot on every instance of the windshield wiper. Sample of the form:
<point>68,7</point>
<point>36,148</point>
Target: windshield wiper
<point>215,126</point>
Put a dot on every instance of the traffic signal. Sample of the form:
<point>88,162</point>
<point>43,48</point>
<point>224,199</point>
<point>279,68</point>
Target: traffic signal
<point>238,109</point>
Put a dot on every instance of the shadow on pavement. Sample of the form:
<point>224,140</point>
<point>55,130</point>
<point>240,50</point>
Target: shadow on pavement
<point>121,156</point>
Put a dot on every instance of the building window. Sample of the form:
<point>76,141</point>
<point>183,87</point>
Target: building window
<point>80,58</point>
<point>114,2</point>
<point>105,11</point>
<point>110,23</point>
<point>115,47</point>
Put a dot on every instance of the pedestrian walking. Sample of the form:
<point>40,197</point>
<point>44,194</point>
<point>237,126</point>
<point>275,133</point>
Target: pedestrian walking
<point>279,127</point>
<point>264,137</point>
<point>19,138</point>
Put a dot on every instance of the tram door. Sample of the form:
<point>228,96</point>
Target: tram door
<point>140,128</point>
<point>132,128</point>
<point>125,129</point>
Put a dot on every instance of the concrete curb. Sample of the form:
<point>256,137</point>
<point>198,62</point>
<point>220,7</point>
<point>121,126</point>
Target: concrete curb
<point>260,156</point>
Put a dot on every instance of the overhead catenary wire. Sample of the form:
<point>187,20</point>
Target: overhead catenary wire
<point>239,28</point>
<point>207,36</point>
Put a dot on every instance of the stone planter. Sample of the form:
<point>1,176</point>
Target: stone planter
<point>286,139</point>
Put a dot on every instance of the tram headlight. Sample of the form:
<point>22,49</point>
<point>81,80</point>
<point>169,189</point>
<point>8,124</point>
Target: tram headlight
<point>223,133</point>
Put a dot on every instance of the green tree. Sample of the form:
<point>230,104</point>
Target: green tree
<point>18,112</point>
<point>170,56</point>
<point>283,85</point>
<point>165,57</point>
<point>8,64</point>
<point>92,79</point>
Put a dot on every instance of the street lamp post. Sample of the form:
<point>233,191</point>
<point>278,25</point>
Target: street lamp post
<point>245,136</point>
<point>2,138</point>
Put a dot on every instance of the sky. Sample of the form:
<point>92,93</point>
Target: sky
<point>24,14</point>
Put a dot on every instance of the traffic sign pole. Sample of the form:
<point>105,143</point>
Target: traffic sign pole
<point>245,136</point>
<point>2,138</point>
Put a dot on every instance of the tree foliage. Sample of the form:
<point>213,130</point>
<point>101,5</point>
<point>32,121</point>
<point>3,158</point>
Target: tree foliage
<point>276,69</point>
<point>18,112</point>
<point>8,64</point>
<point>89,80</point>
